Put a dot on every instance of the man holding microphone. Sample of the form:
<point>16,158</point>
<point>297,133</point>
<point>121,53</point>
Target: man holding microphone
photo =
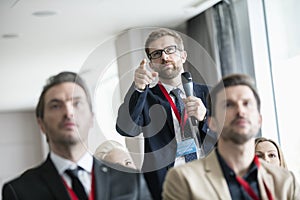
<point>155,111</point>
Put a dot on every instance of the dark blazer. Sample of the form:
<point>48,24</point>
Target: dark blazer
<point>150,113</point>
<point>44,183</point>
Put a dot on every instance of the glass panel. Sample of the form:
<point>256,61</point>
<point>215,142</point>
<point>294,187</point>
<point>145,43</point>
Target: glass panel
<point>284,42</point>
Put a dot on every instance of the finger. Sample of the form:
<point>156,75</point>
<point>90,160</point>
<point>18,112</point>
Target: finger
<point>154,74</point>
<point>143,64</point>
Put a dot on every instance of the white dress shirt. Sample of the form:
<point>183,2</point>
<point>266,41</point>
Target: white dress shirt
<point>169,88</point>
<point>85,162</point>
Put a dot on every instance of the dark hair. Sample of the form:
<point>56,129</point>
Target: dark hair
<point>62,77</point>
<point>228,81</point>
<point>161,32</point>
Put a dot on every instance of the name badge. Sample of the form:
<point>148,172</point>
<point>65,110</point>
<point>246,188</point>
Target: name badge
<point>186,147</point>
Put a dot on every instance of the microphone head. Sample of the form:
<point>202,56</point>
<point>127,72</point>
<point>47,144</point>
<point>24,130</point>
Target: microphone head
<point>186,77</point>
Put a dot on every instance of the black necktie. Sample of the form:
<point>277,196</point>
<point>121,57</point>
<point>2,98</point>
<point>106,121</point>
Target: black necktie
<point>185,125</point>
<point>187,129</point>
<point>76,183</point>
<point>178,100</point>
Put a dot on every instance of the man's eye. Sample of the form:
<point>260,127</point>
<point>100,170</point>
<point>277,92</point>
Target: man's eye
<point>170,50</point>
<point>248,103</point>
<point>55,106</point>
<point>155,54</point>
<point>77,103</point>
<point>229,104</point>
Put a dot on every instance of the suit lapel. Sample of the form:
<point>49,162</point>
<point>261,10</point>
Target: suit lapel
<point>215,176</point>
<point>102,180</point>
<point>53,180</point>
<point>263,176</point>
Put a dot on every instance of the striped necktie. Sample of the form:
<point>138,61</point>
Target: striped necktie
<point>187,132</point>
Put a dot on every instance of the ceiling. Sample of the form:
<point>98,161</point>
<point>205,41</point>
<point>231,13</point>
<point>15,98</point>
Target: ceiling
<point>42,38</point>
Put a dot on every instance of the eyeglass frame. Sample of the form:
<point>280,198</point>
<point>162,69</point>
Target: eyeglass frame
<point>163,50</point>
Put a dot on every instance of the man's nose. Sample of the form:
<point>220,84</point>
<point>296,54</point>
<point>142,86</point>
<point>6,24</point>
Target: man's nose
<point>241,110</point>
<point>164,56</point>
<point>69,110</point>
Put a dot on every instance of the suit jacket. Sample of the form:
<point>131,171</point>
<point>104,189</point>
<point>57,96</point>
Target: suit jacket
<point>45,183</point>
<point>204,179</point>
<point>149,112</point>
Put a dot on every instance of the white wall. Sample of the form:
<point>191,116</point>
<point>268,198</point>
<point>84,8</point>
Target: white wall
<point>21,144</point>
<point>100,72</point>
<point>130,51</point>
<point>283,32</point>
<point>276,48</point>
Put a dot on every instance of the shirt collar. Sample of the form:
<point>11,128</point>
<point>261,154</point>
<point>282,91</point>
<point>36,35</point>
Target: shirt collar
<point>252,170</point>
<point>170,87</point>
<point>62,164</point>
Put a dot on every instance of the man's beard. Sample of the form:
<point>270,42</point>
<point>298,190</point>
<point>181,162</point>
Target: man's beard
<point>62,139</point>
<point>168,73</point>
<point>236,138</point>
<point>229,134</point>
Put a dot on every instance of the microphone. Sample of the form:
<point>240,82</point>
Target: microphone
<point>187,83</point>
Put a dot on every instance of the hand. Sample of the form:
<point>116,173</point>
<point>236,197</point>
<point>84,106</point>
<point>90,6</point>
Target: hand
<point>143,76</point>
<point>195,107</point>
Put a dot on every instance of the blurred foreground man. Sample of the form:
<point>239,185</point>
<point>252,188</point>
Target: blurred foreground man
<point>232,171</point>
<point>64,114</point>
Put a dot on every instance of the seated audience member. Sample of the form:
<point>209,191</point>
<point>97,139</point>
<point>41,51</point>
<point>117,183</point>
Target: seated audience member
<point>64,114</point>
<point>114,152</point>
<point>270,151</point>
<point>232,170</point>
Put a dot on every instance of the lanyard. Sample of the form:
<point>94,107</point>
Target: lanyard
<point>247,187</point>
<point>164,91</point>
<point>72,193</point>
<point>177,114</point>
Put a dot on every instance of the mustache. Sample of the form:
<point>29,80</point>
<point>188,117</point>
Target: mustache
<point>67,120</point>
<point>239,118</point>
<point>167,62</point>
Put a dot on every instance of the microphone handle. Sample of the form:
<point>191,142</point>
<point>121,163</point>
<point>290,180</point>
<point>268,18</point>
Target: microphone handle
<point>188,88</point>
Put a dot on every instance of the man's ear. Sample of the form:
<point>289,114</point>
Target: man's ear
<point>43,128</point>
<point>211,121</point>
<point>92,122</point>
<point>183,56</point>
<point>41,125</point>
<point>260,120</point>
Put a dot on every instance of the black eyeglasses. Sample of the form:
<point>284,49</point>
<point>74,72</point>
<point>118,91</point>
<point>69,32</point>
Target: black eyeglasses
<point>158,53</point>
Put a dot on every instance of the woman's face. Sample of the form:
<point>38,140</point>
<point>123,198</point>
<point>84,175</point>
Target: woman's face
<point>268,151</point>
<point>121,157</point>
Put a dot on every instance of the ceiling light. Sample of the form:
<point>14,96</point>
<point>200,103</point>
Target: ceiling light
<point>10,35</point>
<point>44,13</point>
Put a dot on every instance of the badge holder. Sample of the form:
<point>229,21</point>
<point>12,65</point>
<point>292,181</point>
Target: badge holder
<point>189,146</point>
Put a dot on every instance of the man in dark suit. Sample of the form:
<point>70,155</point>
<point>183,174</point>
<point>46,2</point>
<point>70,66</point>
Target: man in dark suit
<point>64,114</point>
<point>149,110</point>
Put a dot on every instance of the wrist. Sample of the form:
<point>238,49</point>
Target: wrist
<point>139,89</point>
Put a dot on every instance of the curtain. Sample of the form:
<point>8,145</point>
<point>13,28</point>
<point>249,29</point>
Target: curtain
<point>224,32</point>
<point>233,37</point>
